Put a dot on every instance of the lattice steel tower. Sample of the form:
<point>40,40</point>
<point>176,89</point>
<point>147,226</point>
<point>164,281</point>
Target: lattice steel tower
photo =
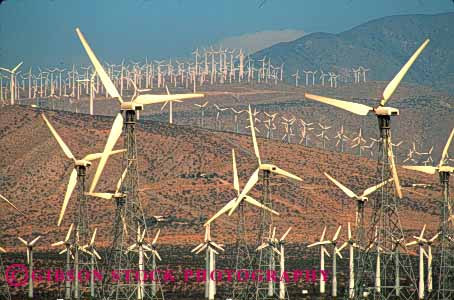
<point>380,272</point>
<point>129,217</point>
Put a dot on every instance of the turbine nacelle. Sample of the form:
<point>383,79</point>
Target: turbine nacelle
<point>446,169</point>
<point>386,111</point>
<point>82,163</point>
<point>131,106</point>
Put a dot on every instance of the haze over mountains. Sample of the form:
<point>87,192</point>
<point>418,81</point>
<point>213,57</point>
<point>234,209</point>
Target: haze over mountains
<point>382,45</point>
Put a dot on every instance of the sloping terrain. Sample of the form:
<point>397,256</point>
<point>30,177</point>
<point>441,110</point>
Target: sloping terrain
<point>34,174</point>
<point>382,45</point>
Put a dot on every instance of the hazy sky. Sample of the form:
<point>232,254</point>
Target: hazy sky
<point>42,31</point>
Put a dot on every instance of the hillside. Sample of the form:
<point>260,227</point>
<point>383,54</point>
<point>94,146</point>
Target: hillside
<point>381,45</point>
<point>34,174</point>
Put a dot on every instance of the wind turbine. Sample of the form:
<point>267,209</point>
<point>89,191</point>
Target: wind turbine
<point>211,248</point>
<point>351,243</point>
<point>12,81</point>
<point>266,168</point>
<point>378,269</point>
<point>429,262</point>
<point>91,250</point>
<point>420,241</point>
<point>271,244</point>
<point>79,167</point>
<point>382,112</point>
<point>281,243</point>
<point>341,137</point>
<point>170,102</point>
<point>202,108</point>
<point>67,243</point>
<point>444,171</point>
<point>246,198</point>
<point>3,198</point>
<point>141,247</point>
<point>29,246</point>
<point>92,89</point>
<point>336,252</point>
<point>360,201</point>
<point>323,251</point>
<point>129,107</point>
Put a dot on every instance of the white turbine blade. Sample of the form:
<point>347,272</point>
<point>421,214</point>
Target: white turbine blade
<point>394,169</point>
<point>2,250</point>
<point>349,231</point>
<point>85,250</point>
<point>17,67</point>
<point>11,204</point>
<point>32,243</point>
<point>95,156</point>
<point>202,248</point>
<point>356,108</point>
<point>336,235</point>
<point>262,246</point>
<point>222,211</point>
<point>346,190</point>
<point>249,185</point>
<point>28,255</point>
<point>326,252</point>
<point>345,244</point>
<point>156,237</point>
<point>254,139</point>
<point>422,231</point>
<point>167,90</point>
<point>277,251</point>
<point>23,241</point>
<point>214,250</point>
<point>143,234</point>
<point>435,237</point>
<point>132,247</point>
<point>337,251</point>
<point>107,196</point>
<point>281,172</point>
<point>274,234</point>
<point>424,253</point>
<point>69,190</point>
<point>425,169</point>
<point>68,234</point>
<point>322,237</point>
<point>164,105</point>
<point>57,244</point>
<point>60,141</point>
<point>314,244</point>
<point>446,148</point>
<point>114,135</point>
<point>372,189</point>
<point>120,181</point>
<point>411,243</point>
<point>157,255</point>
<point>236,182</point>
<point>108,84</point>
<point>254,202</point>
<point>216,245</point>
<point>63,251</point>
<point>92,241</point>
<point>392,86</point>
<point>197,247</point>
<point>152,99</point>
<point>286,233</point>
<point>96,254</point>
